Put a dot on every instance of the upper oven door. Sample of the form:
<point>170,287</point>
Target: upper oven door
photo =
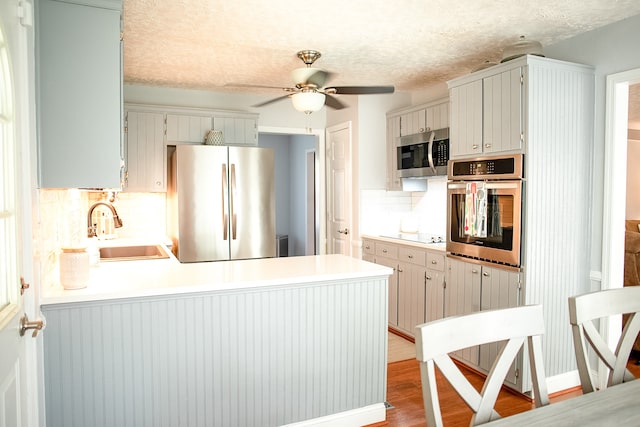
<point>484,220</point>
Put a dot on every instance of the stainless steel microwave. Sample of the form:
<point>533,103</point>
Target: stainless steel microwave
<point>423,154</point>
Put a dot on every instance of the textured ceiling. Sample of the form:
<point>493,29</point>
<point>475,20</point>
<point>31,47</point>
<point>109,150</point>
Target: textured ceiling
<point>411,44</point>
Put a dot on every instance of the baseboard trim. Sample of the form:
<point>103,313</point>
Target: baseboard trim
<point>562,383</point>
<point>354,418</point>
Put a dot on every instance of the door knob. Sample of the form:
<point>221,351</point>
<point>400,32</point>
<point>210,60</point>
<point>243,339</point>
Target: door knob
<point>26,325</point>
<point>345,231</point>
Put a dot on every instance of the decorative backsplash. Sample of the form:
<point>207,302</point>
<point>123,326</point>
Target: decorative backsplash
<point>63,222</point>
<point>385,212</point>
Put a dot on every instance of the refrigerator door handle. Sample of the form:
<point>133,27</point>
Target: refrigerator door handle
<point>232,195</point>
<point>225,216</point>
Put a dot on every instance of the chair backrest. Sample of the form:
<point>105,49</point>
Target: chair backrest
<point>587,308</point>
<point>435,340</point>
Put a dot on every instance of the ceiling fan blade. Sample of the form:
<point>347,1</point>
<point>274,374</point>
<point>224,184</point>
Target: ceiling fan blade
<point>271,101</point>
<point>360,90</point>
<point>254,86</point>
<point>333,102</point>
<point>310,76</point>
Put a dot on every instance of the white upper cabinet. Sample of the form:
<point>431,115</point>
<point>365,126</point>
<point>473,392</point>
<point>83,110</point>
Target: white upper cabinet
<point>146,156</point>
<point>466,119</point>
<point>79,105</point>
<point>393,133</point>
<point>437,116</point>
<point>237,130</point>
<point>188,128</point>
<point>413,122</point>
<point>502,107</point>
<point>487,113</point>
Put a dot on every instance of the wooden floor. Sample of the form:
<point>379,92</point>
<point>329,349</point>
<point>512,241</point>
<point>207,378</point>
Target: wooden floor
<point>405,395</point>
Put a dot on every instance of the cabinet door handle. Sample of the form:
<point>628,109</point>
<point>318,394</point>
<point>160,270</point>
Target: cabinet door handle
<point>434,262</point>
<point>384,251</point>
<point>485,274</point>
<point>475,146</point>
<point>474,271</point>
<point>428,277</point>
<point>399,270</point>
<point>345,231</point>
<point>367,247</point>
<point>410,256</point>
<point>487,145</point>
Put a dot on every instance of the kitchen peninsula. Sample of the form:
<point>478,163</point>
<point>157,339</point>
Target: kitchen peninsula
<point>277,341</point>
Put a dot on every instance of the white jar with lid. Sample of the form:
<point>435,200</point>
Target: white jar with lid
<point>74,268</point>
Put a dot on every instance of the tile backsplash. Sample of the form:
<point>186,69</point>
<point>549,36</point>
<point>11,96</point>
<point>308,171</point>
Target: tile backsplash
<point>63,222</point>
<point>388,212</point>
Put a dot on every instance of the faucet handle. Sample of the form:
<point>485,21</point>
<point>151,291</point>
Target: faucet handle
<point>91,231</point>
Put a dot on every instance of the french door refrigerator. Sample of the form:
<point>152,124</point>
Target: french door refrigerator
<point>221,203</point>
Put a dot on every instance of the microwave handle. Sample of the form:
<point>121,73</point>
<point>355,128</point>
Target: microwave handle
<point>430,152</point>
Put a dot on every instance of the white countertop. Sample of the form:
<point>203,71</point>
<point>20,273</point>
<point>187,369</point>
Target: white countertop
<point>130,279</point>
<point>440,247</point>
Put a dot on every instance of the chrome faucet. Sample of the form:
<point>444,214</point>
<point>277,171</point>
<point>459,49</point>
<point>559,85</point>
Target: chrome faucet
<point>117,222</point>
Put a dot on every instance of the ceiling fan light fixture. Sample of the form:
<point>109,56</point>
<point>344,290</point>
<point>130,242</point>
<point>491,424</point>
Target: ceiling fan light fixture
<point>308,102</point>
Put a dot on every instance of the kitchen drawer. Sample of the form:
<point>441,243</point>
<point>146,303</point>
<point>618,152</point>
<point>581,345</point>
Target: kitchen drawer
<point>435,261</point>
<point>368,247</point>
<point>386,250</point>
<point>413,256</point>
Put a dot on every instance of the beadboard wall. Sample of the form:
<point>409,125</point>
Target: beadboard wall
<point>262,357</point>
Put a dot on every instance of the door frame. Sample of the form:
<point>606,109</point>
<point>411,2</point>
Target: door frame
<point>321,218</point>
<point>614,189</point>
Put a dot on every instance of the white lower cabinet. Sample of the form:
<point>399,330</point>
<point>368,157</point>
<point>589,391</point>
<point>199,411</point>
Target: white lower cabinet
<point>473,287</point>
<point>416,288</point>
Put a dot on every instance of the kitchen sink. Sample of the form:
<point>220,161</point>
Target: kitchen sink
<point>139,252</point>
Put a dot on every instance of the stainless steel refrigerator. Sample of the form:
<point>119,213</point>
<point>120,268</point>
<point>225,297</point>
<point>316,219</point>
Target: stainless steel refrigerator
<point>221,203</point>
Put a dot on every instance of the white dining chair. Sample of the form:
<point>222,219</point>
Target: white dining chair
<point>435,340</point>
<point>584,311</point>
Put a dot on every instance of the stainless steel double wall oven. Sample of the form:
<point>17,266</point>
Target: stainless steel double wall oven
<point>485,208</point>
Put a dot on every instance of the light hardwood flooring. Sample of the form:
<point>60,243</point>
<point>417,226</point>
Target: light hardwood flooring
<point>404,391</point>
<point>399,348</point>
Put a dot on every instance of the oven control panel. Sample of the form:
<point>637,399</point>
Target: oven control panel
<point>493,168</point>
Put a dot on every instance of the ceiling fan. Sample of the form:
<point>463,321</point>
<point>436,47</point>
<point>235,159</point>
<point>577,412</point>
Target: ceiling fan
<point>309,94</point>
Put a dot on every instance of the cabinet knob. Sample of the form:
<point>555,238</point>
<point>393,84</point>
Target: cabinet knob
<point>474,271</point>
<point>485,274</point>
<point>433,261</point>
<point>487,145</point>
<point>400,270</point>
<point>384,251</point>
<point>410,256</point>
<point>475,146</point>
<point>427,277</point>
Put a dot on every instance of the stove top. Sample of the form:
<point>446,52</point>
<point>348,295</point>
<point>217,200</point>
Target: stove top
<point>417,237</point>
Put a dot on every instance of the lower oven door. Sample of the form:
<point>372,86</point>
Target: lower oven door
<point>484,220</point>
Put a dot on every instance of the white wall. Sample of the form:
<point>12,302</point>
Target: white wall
<point>299,146</point>
<point>280,146</point>
<point>633,180</point>
<point>610,49</point>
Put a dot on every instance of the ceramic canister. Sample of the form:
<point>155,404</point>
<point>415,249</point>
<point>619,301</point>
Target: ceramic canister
<point>74,268</point>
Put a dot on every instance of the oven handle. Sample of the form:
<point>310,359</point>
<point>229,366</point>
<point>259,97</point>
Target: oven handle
<point>492,185</point>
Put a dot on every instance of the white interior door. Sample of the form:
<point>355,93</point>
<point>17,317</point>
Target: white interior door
<point>340,189</point>
<point>17,353</point>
